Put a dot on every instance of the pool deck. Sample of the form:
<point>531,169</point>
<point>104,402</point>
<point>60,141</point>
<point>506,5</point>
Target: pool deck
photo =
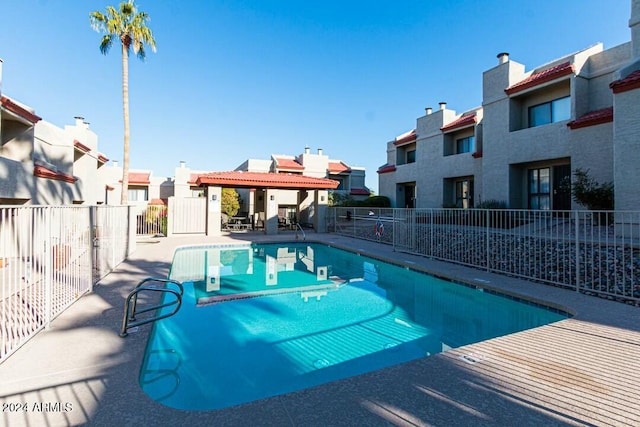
<point>580,371</point>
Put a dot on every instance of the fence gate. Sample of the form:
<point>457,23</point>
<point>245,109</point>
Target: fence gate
<point>187,215</point>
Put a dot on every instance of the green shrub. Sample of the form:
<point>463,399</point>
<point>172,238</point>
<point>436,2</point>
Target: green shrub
<point>492,204</point>
<point>230,203</point>
<point>369,202</point>
<point>591,194</point>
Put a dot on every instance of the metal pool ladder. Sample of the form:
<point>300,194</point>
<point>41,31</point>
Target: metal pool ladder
<point>298,226</point>
<point>129,319</point>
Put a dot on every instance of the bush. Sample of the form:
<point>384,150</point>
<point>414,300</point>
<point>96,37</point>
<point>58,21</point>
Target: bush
<point>230,203</point>
<point>591,194</point>
<point>492,204</point>
<point>369,202</point>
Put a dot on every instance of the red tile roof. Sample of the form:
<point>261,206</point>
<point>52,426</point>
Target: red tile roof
<point>338,167</point>
<point>360,192</point>
<point>406,138</point>
<point>102,158</point>
<point>387,168</point>
<point>632,81</point>
<point>21,111</point>
<point>80,146</point>
<point>42,172</point>
<point>463,121</point>
<point>543,76</point>
<point>193,178</point>
<point>592,118</point>
<point>288,164</point>
<point>139,178</point>
<point>265,179</point>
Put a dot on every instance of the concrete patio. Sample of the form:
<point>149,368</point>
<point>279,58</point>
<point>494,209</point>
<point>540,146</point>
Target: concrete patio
<point>582,371</point>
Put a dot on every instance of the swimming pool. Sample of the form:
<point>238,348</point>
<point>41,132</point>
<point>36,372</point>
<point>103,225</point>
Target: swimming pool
<point>263,320</point>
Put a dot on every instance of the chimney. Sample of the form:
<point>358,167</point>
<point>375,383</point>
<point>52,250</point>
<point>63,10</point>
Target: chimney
<point>428,110</point>
<point>307,150</point>
<point>115,163</point>
<point>319,151</point>
<point>503,58</point>
<point>182,164</point>
<point>79,121</point>
<point>443,106</point>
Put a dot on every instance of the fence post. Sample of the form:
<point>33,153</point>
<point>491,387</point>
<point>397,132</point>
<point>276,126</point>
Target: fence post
<point>48,276</point>
<point>394,229</point>
<point>413,230</point>
<point>577,261</point>
<point>431,231</point>
<point>92,243</point>
<point>353,217</point>
<point>487,225</point>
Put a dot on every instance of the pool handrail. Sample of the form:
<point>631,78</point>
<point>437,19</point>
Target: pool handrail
<point>298,226</point>
<point>129,319</point>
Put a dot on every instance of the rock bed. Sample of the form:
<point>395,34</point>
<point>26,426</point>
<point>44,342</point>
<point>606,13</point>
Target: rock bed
<point>610,271</point>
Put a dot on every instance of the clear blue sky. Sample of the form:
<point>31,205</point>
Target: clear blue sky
<point>238,79</point>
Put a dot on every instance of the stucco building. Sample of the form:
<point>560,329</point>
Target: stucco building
<point>42,164</point>
<point>533,130</point>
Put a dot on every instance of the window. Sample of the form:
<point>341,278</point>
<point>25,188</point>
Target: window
<point>406,154</point>
<point>550,112</point>
<point>465,145</point>
<point>464,194</point>
<point>539,189</point>
<point>411,156</point>
<point>138,194</point>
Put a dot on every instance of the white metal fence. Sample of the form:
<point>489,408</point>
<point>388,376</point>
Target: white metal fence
<point>595,252</point>
<point>151,220</point>
<point>49,257</point>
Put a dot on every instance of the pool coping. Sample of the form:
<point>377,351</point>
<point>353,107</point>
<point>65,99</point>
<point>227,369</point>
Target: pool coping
<point>81,360</point>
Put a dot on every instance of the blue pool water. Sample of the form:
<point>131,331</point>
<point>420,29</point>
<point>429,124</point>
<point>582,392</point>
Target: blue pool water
<point>263,320</point>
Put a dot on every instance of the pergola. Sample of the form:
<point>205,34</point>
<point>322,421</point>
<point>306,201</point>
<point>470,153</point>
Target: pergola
<point>312,195</point>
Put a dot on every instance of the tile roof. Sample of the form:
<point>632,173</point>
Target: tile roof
<point>265,179</point>
<point>463,121</point>
<point>592,118</point>
<point>632,81</point>
<point>43,172</point>
<point>20,111</point>
<point>386,168</point>
<point>359,192</point>
<point>338,167</point>
<point>102,158</point>
<point>193,178</point>
<point>543,76</point>
<point>405,138</point>
<point>288,164</point>
<point>140,178</point>
<point>80,146</point>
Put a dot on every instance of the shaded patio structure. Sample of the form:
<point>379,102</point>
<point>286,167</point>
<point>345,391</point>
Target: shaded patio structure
<point>303,199</point>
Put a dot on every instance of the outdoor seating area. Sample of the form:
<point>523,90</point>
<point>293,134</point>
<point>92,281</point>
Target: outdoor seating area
<point>239,223</point>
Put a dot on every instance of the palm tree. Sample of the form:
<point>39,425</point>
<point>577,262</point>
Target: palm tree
<point>130,27</point>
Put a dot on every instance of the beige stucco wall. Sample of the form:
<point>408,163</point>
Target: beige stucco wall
<point>509,146</point>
